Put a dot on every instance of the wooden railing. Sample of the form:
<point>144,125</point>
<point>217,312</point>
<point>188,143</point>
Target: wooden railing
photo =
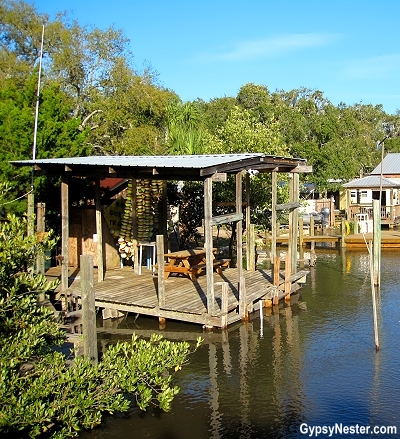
<point>387,212</point>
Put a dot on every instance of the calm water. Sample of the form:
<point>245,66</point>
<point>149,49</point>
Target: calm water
<point>311,362</point>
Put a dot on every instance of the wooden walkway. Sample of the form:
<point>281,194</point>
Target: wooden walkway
<point>390,239</point>
<point>185,300</point>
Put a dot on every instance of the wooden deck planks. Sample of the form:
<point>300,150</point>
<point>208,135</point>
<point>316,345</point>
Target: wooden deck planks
<point>185,300</point>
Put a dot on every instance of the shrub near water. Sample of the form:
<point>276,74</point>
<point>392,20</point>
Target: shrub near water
<point>40,395</point>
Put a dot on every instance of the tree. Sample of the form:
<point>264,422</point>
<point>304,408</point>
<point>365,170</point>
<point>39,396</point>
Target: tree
<point>58,136</point>
<point>187,132</point>
<point>242,132</point>
<point>129,116</point>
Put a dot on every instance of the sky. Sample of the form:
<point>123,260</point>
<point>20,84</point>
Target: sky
<point>348,49</point>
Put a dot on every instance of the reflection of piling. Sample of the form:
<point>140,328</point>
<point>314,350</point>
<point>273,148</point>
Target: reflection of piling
<point>375,255</point>
<point>374,292</point>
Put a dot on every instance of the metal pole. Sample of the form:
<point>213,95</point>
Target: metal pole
<point>37,98</point>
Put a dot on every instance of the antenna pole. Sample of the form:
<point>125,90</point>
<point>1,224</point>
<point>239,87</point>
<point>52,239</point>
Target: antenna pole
<point>37,102</point>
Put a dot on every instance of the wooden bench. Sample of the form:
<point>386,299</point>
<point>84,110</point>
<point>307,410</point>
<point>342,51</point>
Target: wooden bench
<point>217,264</point>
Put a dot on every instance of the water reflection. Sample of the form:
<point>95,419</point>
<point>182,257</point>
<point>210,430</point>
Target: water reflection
<point>312,361</point>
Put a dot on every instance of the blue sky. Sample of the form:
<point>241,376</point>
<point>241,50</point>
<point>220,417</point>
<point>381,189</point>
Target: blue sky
<point>348,49</point>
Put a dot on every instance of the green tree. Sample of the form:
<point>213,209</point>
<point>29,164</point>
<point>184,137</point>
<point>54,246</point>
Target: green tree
<point>242,132</point>
<point>187,133</point>
<point>59,135</point>
<point>129,116</point>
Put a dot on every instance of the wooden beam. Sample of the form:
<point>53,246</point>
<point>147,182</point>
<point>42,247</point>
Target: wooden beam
<point>288,206</point>
<point>303,169</point>
<point>219,176</point>
<point>228,218</point>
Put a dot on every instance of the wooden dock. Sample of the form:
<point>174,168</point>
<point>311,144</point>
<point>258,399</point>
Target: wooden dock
<point>390,239</point>
<point>185,300</point>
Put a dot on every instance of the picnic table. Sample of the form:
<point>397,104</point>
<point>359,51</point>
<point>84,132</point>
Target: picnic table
<point>191,262</point>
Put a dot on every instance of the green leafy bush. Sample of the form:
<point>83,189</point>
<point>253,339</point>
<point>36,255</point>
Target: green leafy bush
<point>40,393</point>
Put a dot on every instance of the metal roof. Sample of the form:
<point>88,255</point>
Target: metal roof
<point>190,167</point>
<point>390,165</point>
<point>371,182</point>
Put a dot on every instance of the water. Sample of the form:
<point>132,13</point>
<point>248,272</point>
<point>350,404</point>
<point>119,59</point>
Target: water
<point>312,363</point>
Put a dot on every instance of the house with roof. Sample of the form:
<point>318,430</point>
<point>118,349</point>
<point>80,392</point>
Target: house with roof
<point>382,184</point>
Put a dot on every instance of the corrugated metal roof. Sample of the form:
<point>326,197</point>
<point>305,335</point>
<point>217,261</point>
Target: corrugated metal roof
<point>390,165</point>
<point>184,161</point>
<point>165,167</point>
<point>371,182</point>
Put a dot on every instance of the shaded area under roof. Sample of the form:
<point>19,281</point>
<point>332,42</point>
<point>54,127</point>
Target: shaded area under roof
<point>189,167</point>
<point>371,182</point>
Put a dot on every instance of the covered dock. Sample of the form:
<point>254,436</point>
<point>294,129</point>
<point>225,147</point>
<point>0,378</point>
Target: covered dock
<point>218,295</point>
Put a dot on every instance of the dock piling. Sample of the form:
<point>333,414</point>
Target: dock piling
<point>88,308</point>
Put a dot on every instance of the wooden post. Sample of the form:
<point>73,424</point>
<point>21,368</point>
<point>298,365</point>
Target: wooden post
<point>251,254</point>
<point>134,220</point>
<point>40,228</point>
<point>355,231</point>
<point>64,232</point>
<point>392,201</point>
<point>293,220</point>
<point>243,312</point>
<point>312,225</point>
<point>301,241</point>
<point>239,250</point>
<point>239,226</point>
<point>160,268</point>
<point>377,238</point>
<point>88,308</point>
<point>274,225</point>
<point>99,233</point>
<point>343,233</point>
<point>224,306</point>
<point>31,214</point>
<point>164,216</point>
<point>276,269</point>
<point>249,263</point>
<point>288,272</point>
<point>209,244</point>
